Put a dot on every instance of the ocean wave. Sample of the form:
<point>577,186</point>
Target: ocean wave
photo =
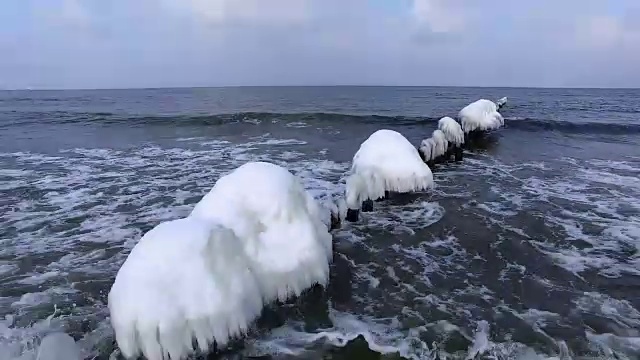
<point>528,124</point>
<point>300,120</point>
<point>256,118</point>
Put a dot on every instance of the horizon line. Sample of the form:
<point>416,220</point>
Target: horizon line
<point>326,86</point>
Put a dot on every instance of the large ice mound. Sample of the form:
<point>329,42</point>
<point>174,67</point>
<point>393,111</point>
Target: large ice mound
<point>257,236</point>
<point>280,223</point>
<point>185,279</point>
<point>386,161</point>
<point>480,115</point>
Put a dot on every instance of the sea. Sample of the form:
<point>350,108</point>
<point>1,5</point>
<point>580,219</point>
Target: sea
<point>527,249</point>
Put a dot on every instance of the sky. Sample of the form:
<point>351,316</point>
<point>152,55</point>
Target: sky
<point>62,44</point>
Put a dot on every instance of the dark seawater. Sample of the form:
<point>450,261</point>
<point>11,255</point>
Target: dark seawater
<point>528,249</point>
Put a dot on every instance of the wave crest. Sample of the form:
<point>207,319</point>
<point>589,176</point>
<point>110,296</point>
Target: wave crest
<point>299,119</point>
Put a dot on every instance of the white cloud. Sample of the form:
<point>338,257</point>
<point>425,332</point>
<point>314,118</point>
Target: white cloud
<point>440,16</point>
<point>600,32</point>
<point>252,12</point>
<point>67,13</point>
<point>73,11</point>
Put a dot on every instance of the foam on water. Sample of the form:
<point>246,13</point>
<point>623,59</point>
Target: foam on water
<point>622,335</point>
<point>425,281</point>
<point>594,207</point>
<point>23,343</point>
<point>405,218</point>
<point>385,336</point>
<point>297,124</point>
<point>381,336</point>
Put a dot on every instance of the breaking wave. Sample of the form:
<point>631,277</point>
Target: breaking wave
<point>304,120</point>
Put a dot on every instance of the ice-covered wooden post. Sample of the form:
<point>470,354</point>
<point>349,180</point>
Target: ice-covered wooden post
<point>205,278</point>
<point>385,162</point>
<point>479,117</point>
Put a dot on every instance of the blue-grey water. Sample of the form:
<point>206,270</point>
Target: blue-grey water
<point>529,248</point>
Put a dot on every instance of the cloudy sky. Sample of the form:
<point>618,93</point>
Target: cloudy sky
<point>157,43</point>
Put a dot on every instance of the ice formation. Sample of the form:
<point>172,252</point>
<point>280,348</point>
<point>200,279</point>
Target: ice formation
<point>386,161</point>
<point>256,237</point>
<point>185,279</point>
<point>279,222</point>
<point>441,144</point>
<point>58,346</point>
<point>502,102</point>
<point>480,115</point>
<point>426,149</point>
<point>452,130</point>
<point>435,147</point>
<point>336,212</point>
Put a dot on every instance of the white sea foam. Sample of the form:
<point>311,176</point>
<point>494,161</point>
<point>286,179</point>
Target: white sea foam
<point>297,124</point>
<point>382,335</point>
<point>623,340</point>
<point>36,341</point>
<point>7,268</point>
<point>14,172</point>
<point>407,218</point>
<point>595,205</point>
<point>387,336</point>
<point>38,279</point>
